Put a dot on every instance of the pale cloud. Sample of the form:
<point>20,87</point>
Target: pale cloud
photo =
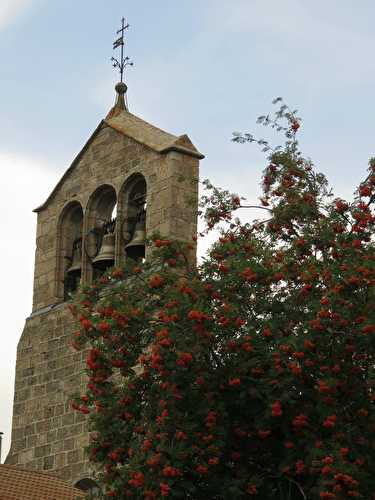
<point>295,20</point>
<point>319,43</point>
<point>25,184</point>
<point>10,9</point>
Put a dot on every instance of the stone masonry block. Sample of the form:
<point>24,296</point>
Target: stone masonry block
<point>42,451</point>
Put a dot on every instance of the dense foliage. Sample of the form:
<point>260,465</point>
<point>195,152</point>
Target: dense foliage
<point>252,374</point>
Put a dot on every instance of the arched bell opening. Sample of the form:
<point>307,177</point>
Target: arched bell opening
<point>100,231</point>
<point>69,265</point>
<point>133,230</point>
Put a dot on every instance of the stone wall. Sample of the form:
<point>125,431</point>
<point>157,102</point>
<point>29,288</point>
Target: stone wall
<point>47,434</point>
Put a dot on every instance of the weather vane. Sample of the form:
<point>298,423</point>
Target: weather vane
<point>124,61</point>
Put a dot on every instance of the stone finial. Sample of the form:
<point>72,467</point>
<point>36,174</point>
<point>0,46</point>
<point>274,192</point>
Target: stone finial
<point>121,89</point>
<point>120,105</point>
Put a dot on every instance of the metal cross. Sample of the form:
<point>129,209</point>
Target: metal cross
<point>119,42</point>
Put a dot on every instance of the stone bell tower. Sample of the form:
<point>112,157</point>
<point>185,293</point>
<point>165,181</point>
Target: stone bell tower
<point>129,180</point>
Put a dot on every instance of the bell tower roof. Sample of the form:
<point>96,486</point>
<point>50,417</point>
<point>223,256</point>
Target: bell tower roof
<point>120,119</point>
<point>129,125</point>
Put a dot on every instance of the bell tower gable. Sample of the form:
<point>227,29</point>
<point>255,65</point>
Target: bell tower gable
<point>122,148</point>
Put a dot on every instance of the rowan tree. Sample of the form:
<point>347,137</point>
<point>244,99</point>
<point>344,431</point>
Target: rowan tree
<point>252,373</point>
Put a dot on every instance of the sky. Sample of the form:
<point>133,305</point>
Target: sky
<point>201,67</point>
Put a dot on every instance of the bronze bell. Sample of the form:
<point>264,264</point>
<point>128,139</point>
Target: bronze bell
<point>73,273</point>
<point>135,249</point>
<point>75,267</point>
<point>106,255</point>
